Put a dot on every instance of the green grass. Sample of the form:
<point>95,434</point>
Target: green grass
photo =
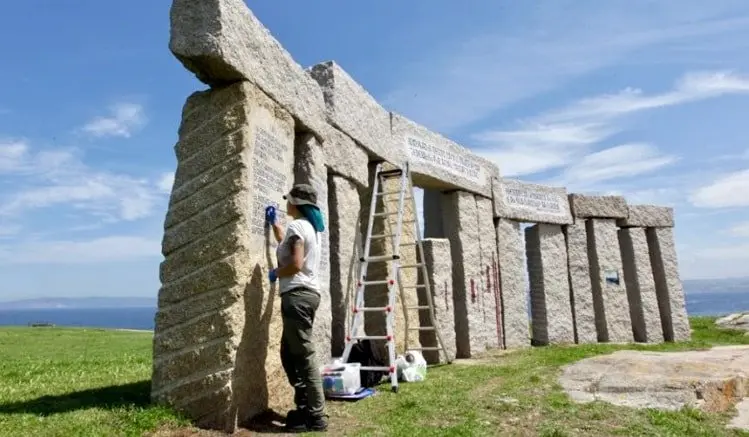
<point>75,382</point>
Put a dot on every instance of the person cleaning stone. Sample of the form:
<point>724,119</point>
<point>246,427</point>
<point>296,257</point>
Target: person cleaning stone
<point>298,255</point>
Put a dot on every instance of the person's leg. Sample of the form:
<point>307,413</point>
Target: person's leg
<point>300,311</point>
<point>287,360</point>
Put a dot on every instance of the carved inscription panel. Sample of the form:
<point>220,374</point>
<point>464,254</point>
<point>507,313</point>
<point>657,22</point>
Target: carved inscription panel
<point>272,161</point>
<point>458,164</point>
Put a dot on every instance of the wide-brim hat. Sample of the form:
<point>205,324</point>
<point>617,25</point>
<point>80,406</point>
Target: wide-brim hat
<point>302,194</point>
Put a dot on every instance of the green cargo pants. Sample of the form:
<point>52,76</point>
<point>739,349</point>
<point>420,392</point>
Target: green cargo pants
<point>298,307</point>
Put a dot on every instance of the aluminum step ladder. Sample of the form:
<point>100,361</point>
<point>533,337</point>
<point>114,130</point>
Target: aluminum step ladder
<point>393,281</point>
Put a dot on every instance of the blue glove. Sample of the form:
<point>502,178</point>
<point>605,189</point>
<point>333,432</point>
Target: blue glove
<point>272,275</point>
<point>270,215</point>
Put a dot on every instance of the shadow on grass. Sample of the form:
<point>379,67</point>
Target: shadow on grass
<point>137,394</point>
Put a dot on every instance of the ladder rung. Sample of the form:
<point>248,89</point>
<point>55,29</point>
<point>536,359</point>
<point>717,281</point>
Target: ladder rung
<point>372,309</point>
<point>413,287</point>
<point>381,282</point>
<point>382,236</point>
<point>421,307</point>
<point>375,368</point>
<point>383,214</point>
<point>370,259</point>
<point>390,173</point>
<point>369,337</point>
<point>395,200</point>
<point>410,266</point>
<point>427,348</point>
<point>421,328</point>
<point>385,193</point>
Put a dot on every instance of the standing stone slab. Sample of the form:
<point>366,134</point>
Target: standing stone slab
<point>461,225</point>
<point>489,301</point>
<point>354,111</point>
<point>638,274</point>
<point>344,157</point>
<point>583,206</point>
<point>609,290</point>
<point>439,271</point>
<point>439,163</point>
<point>345,250</point>
<point>218,326</point>
<point>668,285</point>
<point>527,202</point>
<point>513,288</point>
<point>648,216</point>
<point>309,168</point>
<point>551,310</point>
<point>581,289</point>
<point>222,42</point>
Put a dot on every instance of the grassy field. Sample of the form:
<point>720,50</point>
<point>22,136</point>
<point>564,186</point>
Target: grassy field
<point>75,382</point>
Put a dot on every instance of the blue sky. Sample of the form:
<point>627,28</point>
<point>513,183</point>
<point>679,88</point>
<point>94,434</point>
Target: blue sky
<point>645,99</point>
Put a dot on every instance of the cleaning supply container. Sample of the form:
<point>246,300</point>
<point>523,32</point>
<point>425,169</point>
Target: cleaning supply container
<point>341,378</point>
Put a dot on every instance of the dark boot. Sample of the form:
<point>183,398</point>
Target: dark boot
<point>296,420</point>
<point>318,423</point>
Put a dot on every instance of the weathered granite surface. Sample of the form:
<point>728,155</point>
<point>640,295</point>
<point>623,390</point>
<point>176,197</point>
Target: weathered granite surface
<point>712,380</point>
<point>551,310</point>
<point>610,301</point>
<point>668,286</point>
<point>350,108</point>
<point>526,202</point>
<point>580,284</point>
<point>739,321</point>
<point>488,281</point>
<point>638,276</point>
<point>439,163</point>
<point>512,284</point>
<point>648,216</point>
<point>218,325</point>
<point>345,250</point>
<point>344,157</point>
<point>439,274</point>
<point>309,168</point>
<point>222,42</point>
<point>583,206</point>
<point>460,222</point>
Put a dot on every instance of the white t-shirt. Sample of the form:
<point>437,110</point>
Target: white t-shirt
<point>307,277</point>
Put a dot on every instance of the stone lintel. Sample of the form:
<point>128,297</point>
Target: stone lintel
<point>585,206</point>
<point>526,202</point>
<point>648,216</point>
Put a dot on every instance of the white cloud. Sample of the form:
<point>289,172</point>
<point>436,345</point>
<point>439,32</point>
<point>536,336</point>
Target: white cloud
<point>166,182</point>
<point>563,137</point>
<point>740,230</point>
<point>729,190</point>
<point>105,249</point>
<point>59,177</point>
<point>8,230</point>
<point>489,71</point>
<point>624,161</point>
<point>124,119</point>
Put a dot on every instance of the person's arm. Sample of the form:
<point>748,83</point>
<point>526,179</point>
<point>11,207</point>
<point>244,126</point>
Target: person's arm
<point>297,258</point>
<point>278,232</point>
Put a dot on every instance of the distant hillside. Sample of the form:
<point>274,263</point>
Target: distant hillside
<point>728,285</point>
<point>79,302</point>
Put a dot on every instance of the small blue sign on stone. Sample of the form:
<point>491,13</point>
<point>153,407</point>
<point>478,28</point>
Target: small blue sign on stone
<point>611,277</point>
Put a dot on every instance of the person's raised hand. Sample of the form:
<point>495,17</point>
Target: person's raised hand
<point>270,215</point>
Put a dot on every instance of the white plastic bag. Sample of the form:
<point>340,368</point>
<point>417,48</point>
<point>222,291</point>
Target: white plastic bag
<point>412,366</point>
